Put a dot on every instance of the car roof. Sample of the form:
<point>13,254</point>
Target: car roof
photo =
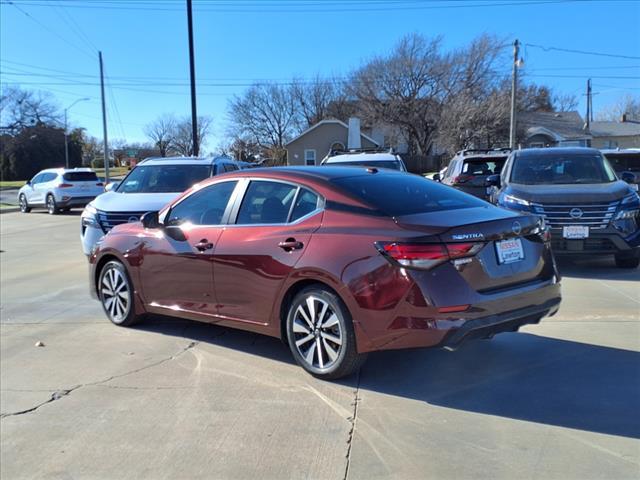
<point>310,173</point>
<point>65,170</point>
<point>620,151</point>
<point>150,161</point>
<point>550,151</point>
<point>361,157</point>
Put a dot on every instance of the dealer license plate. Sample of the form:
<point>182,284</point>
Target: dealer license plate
<point>509,251</point>
<point>575,232</point>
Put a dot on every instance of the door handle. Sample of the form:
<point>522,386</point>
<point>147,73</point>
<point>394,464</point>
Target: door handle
<point>203,245</point>
<point>290,244</point>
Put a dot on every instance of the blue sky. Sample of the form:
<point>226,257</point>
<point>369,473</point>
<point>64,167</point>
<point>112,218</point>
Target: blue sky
<point>52,45</point>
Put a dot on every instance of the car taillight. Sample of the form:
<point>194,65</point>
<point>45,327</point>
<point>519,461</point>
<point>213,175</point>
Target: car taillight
<point>463,178</point>
<point>427,255</point>
<point>65,185</point>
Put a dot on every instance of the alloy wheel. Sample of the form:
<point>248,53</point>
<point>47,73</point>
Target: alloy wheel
<point>51,205</point>
<point>115,294</point>
<point>23,204</point>
<point>318,334</point>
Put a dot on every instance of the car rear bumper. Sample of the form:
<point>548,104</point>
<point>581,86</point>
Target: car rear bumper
<point>74,201</point>
<point>487,327</point>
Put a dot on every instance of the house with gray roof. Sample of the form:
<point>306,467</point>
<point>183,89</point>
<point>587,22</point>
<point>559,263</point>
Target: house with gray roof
<point>623,134</point>
<point>553,129</point>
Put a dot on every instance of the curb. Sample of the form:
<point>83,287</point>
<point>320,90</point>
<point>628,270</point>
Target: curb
<point>9,210</point>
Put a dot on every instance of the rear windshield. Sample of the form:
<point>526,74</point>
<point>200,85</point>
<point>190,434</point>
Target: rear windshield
<point>80,177</point>
<point>398,195</point>
<point>391,164</point>
<point>484,165</point>
<point>562,169</point>
<point>624,162</point>
<point>163,178</point>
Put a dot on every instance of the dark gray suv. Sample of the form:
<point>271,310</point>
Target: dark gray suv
<point>588,208</point>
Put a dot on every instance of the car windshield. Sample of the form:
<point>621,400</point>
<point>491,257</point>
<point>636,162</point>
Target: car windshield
<point>163,178</point>
<point>563,169</point>
<point>391,164</point>
<point>398,195</point>
<point>80,177</point>
<point>624,161</point>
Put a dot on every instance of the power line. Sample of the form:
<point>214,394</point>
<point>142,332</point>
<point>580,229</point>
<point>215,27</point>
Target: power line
<point>27,14</point>
<point>581,52</point>
<point>265,7</point>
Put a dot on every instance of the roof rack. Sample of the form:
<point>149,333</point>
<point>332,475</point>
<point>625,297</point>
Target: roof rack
<point>473,151</point>
<point>346,151</point>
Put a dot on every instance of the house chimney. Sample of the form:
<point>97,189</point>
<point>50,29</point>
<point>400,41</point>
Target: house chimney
<point>353,140</point>
<point>624,118</point>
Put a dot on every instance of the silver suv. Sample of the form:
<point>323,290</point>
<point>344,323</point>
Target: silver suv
<point>60,189</point>
<point>152,184</point>
<point>365,158</point>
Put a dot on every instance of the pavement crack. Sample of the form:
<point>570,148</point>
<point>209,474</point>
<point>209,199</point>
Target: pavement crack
<point>353,420</point>
<point>58,394</point>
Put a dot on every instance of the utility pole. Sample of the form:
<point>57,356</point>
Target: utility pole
<point>192,68</point>
<point>514,87</point>
<point>589,113</point>
<point>104,124</point>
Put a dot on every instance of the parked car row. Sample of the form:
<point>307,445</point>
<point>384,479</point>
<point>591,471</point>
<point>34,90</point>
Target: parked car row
<point>590,208</point>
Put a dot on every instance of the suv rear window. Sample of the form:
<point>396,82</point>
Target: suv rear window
<point>483,165</point>
<point>80,177</point>
<point>163,178</point>
<point>391,164</point>
<point>398,195</point>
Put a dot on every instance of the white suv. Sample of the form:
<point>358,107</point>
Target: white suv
<point>365,158</point>
<point>60,189</point>
<point>152,184</point>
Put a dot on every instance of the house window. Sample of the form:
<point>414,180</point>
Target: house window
<point>309,157</point>
<point>536,145</point>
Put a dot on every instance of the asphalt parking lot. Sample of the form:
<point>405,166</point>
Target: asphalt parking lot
<point>177,399</point>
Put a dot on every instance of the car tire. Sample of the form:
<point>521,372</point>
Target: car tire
<point>24,205</point>
<point>115,291</point>
<point>320,334</point>
<point>52,207</point>
<point>627,261</point>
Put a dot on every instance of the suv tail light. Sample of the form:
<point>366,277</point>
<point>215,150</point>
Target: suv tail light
<point>427,255</point>
<point>65,185</point>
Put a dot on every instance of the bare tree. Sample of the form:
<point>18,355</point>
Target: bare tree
<point>628,105</point>
<point>265,114</point>
<point>405,89</point>
<point>314,100</point>
<point>161,131</point>
<point>565,102</point>
<point>182,136</point>
<point>25,108</point>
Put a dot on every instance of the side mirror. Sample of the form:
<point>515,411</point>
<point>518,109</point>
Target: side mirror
<point>28,183</point>
<point>111,186</point>
<point>628,177</point>
<point>150,220</point>
<point>493,181</point>
<point>436,177</point>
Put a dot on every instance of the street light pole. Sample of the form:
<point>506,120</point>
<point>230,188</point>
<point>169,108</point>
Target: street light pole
<point>514,87</point>
<point>66,143</point>
<point>192,71</point>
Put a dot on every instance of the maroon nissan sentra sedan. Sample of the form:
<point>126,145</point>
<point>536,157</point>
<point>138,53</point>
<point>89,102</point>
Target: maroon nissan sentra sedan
<point>336,261</point>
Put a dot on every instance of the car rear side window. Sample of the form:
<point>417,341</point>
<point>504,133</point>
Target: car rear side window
<point>306,202</point>
<point>397,195</point>
<point>205,207</point>
<point>163,178</point>
<point>266,203</point>
<point>80,177</point>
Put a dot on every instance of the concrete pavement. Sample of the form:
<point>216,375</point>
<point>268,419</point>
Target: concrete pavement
<point>178,399</point>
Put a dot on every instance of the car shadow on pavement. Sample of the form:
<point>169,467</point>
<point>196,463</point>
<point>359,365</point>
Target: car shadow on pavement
<point>516,375</point>
<point>520,376</point>
<point>601,268</point>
